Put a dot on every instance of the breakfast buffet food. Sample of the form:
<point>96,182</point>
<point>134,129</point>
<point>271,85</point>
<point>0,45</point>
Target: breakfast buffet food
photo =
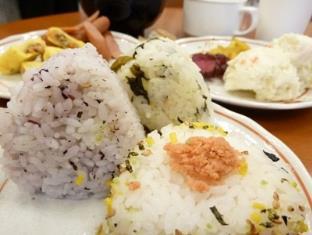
<point>213,63</point>
<point>75,130</point>
<point>164,85</point>
<point>280,71</point>
<point>196,178</point>
<point>33,52</point>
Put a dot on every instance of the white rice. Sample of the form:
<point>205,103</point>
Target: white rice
<point>69,126</point>
<point>165,205</point>
<point>172,87</point>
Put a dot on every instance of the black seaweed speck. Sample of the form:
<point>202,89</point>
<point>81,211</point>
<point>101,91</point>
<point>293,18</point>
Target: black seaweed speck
<point>79,114</point>
<point>285,219</point>
<point>217,215</point>
<point>272,156</point>
<point>179,120</point>
<point>73,165</point>
<point>102,155</point>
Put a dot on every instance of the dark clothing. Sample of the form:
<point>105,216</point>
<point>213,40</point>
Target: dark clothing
<point>34,8</point>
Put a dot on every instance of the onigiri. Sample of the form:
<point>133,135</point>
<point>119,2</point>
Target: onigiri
<point>164,84</point>
<point>68,128</point>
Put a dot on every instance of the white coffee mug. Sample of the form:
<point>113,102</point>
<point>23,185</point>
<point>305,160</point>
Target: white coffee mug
<point>217,17</point>
<point>282,16</point>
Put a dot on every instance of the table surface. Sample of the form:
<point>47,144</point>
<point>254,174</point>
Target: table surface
<point>294,127</point>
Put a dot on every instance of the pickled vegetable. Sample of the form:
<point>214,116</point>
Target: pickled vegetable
<point>232,50</point>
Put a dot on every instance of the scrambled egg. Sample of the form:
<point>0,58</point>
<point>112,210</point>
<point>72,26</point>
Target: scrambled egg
<point>31,53</point>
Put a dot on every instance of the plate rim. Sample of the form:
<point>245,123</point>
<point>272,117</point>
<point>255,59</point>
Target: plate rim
<point>254,104</point>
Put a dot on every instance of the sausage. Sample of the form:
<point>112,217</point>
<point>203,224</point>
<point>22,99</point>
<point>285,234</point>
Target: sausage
<point>102,24</point>
<point>97,39</point>
<point>112,44</point>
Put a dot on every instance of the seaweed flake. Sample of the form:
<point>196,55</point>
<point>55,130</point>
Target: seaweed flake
<point>47,87</point>
<point>128,166</point>
<point>133,154</point>
<point>146,129</point>
<point>179,119</point>
<point>267,225</point>
<point>159,132</point>
<point>87,189</point>
<point>284,180</point>
<point>85,103</point>
<point>43,70</point>
<point>272,156</point>
<point>99,101</point>
<point>217,215</point>
<point>285,219</point>
<point>136,83</point>
<point>102,155</point>
<point>143,44</point>
<point>79,114</point>
<point>73,165</point>
<point>205,107</point>
<point>64,152</point>
<point>141,146</point>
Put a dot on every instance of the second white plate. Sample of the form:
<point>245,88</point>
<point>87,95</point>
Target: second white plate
<point>218,93</point>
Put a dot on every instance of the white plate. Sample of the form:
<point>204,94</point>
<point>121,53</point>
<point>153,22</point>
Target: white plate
<point>125,42</point>
<point>19,214</point>
<point>218,93</point>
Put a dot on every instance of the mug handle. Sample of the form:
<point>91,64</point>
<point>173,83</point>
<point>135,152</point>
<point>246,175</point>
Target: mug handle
<point>253,12</point>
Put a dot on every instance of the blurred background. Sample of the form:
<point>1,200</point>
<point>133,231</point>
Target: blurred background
<point>11,10</point>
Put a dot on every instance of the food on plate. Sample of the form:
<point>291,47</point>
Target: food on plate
<point>267,72</point>
<point>35,50</point>
<point>30,65</point>
<point>232,50</point>
<point>94,30</point>
<point>105,44</point>
<point>198,179</point>
<point>102,24</point>
<point>164,85</point>
<point>299,49</point>
<point>50,51</point>
<point>12,58</point>
<point>211,66</point>
<point>69,127</point>
<point>59,38</point>
<point>214,63</point>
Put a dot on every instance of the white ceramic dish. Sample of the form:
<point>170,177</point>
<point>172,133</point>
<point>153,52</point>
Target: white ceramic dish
<point>125,42</point>
<point>22,214</point>
<point>218,93</point>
